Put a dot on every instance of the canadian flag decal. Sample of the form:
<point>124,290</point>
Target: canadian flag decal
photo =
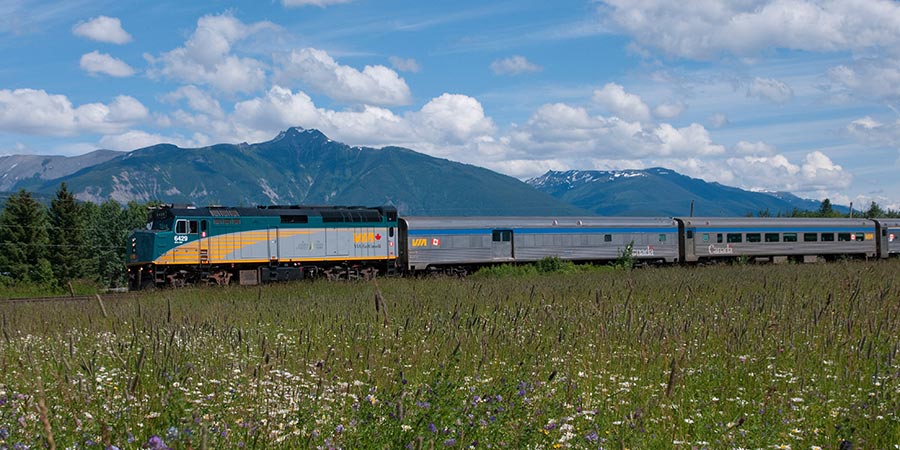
<point>378,237</point>
<point>436,242</point>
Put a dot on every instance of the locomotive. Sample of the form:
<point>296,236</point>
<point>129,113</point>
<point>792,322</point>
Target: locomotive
<point>219,245</point>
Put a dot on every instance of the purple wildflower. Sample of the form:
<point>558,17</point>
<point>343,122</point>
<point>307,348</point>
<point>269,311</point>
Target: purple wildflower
<point>4,433</point>
<point>450,442</point>
<point>432,428</point>
<point>339,429</point>
<point>112,447</point>
<point>592,436</point>
<point>156,443</point>
<point>425,405</point>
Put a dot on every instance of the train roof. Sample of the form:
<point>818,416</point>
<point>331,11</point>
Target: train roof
<point>536,222</point>
<point>271,210</point>
<point>796,222</point>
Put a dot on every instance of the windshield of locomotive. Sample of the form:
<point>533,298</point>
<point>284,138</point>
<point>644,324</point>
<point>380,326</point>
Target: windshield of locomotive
<point>160,220</point>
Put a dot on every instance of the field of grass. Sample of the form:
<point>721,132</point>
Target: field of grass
<point>795,356</point>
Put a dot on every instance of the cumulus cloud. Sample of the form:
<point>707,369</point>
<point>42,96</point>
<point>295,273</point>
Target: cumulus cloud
<point>206,57</point>
<point>96,63</point>
<point>628,106</point>
<point>669,110</point>
<point>703,29</point>
<point>769,89</point>
<point>374,85</point>
<point>103,29</point>
<point>319,3</point>
<point>197,99</point>
<point>514,65</point>
<point>35,112</point>
<point>405,65</point>
<point>452,118</point>
<point>135,139</point>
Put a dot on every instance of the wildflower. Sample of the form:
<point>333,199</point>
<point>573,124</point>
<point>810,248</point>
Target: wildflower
<point>592,436</point>
<point>156,443</point>
<point>339,429</point>
<point>4,433</point>
<point>432,428</point>
<point>172,433</point>
<point>450,442</point>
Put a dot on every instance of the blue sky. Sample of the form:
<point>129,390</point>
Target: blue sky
<point>796,95</point>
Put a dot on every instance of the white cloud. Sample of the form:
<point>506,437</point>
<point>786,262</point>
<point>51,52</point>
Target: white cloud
<point>103,29</point>
<point>514,65</point>
<point>206,56</point>
<point>135,139</point>
<point>96,62</point>
<point>877,79</point>
<point>871,131</point>
<point>769,89</point>
<point>628,106</point>
<point>718,120</point>
<point>374,85</point>
<point>319,3</point>
<point>35,112</point>
<point>405,65</point>
<point>197,99</point>
<point>704,28</point>
<point>452,118</point>
<point>758,148</point>
<point>669,110</point>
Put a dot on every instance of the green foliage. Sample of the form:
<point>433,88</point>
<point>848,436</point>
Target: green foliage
<point>626,258</point>
<point>544,266</point>
<point>68,237</point>
<point>24,241</point>
<point>714,357</point>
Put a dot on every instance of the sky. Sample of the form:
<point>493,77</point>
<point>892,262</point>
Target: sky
<point>774,95</point>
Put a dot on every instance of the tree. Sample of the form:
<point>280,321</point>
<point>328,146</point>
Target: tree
<point>68,237</point>
<point>875,211</point>
<point>24,241</point>
<point>825,210</point>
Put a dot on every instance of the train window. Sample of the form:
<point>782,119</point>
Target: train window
<point>705,237</point>
<point>391,232</point>
<point>719,238</point>
<point>735,237</point>
<point>773,237</point>
<point>501,236</point>
<point>217,221</point>
<point>810,237</point>
<point>844,237</point>
<point>690,234</point>
<point>193,226</point>
<point>828,237</point>
<point>754,237</point>
<point>860,236</point>
<point>662,238</point>
<point>607,238</point>
<point>203,226</point>
<point>181,227</point>
<point>790,237</point>
<point>301,218</point>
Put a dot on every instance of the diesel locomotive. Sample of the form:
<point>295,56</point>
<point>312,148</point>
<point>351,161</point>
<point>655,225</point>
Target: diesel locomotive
<point>221,245</point>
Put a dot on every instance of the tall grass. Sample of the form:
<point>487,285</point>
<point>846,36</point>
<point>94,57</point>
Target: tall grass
<point>715,357</point>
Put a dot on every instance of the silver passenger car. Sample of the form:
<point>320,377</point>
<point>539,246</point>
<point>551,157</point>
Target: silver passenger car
<point>889,237</point>
<point>708,238</point>
<point>434,242</point>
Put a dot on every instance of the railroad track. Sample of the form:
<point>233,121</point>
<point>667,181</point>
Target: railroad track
<point>66,298</point>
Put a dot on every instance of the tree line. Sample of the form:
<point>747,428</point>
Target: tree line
<point>826,209</point>
<point>49,246</point>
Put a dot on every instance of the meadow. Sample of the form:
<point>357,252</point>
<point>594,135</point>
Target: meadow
<point>743,356</point>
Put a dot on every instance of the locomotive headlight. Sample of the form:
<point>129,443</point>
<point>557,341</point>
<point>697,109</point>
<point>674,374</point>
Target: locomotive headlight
<point>133,244</point>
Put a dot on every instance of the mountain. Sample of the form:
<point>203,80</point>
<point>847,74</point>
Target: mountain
<point>17,168</point>
<point>660,192</point>
<point>303,167</point>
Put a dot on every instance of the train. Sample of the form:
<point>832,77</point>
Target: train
<point>188,245</point>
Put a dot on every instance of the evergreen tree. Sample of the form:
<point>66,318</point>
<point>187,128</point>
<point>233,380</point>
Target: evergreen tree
<point>825,210</point>
<point>24,241</point>
<point>875,211</point>
<point>68,237</point>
